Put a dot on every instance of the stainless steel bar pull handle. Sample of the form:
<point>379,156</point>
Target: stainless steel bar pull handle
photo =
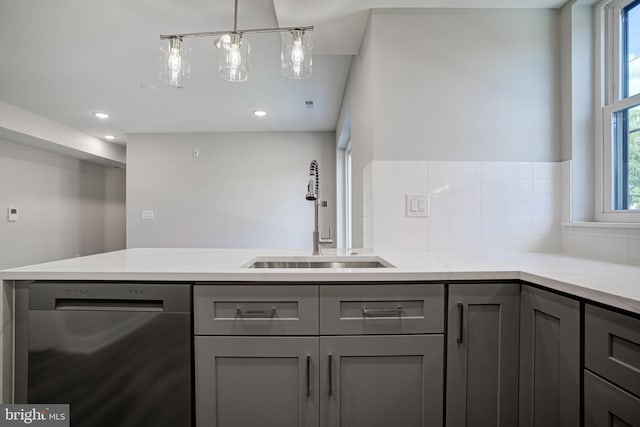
<point>80,304</point>
<point>330,375</point>
<point>256,313</point>
<point>381,311</point>
<point>308,376</point>
<point>460,322</point>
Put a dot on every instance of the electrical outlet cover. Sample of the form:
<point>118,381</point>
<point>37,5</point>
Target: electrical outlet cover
<point>417,205</point>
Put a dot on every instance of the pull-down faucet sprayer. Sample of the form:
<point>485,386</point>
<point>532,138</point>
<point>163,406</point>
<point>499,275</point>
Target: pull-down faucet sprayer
<point>313,187</point>
<point>313,194</point>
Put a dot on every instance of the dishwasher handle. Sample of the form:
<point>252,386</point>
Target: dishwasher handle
<point>111,296</point>
<point>83,304</point>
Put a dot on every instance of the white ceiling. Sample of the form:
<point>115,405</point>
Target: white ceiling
<point>65,59</point>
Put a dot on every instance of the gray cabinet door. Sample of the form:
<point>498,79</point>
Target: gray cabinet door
<point>549,360</point>
<point>256,381</point>
<point>606,405</point>
<point>612,346</point>
<point>482,355</point>
<point>392,380</point>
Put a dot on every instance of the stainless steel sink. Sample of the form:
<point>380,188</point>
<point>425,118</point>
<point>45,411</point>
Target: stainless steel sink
<point>319,262</point>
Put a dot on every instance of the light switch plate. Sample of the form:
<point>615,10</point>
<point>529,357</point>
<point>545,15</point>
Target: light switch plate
<point>417,205</point>
<point>147,214</point>
<point>12,214</point>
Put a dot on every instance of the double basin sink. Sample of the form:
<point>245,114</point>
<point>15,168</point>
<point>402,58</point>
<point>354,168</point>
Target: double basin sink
<point>306,262</point>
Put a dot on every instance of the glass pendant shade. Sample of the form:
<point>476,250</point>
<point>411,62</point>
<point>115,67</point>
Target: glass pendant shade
<point>175,63</point>
<point>233,58</point>
<point>296,55</point>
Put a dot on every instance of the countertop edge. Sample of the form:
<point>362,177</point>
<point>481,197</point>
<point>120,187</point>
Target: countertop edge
<point>337,277</point>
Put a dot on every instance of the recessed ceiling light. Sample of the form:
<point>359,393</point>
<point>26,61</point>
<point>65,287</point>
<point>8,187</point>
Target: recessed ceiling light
<point>259,113</point>
<point>109,137</point>
<point>101,115</point>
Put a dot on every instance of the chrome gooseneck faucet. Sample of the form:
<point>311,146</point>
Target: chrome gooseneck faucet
<point>313,194</point>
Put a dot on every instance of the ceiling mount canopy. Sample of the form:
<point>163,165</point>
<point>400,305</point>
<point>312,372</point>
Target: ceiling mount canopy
<point>233,53</point>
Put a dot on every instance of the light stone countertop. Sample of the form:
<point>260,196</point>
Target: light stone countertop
<point>612,284</point>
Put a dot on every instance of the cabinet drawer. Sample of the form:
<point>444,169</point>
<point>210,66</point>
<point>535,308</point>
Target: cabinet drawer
<point>612,347</point>
<point>255,310</point>
<point>381,309</point>
<point>606,405</point>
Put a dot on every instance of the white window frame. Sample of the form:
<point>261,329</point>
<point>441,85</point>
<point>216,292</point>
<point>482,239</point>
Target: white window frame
<point>609,101</point>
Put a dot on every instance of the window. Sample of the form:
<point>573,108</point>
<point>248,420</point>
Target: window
<point>348,170</point>
<point>621,113</point>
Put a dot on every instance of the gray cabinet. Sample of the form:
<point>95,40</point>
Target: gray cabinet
<point>371,356</point>
<point>606,405</point>
<point>549,360</point>
<point>381,309</point>
<point>391,380</point>
<point>255,310</point>
<point>382,361</point>
<point>612,369</point>
<point>256,381</point>
<point>482,355</point>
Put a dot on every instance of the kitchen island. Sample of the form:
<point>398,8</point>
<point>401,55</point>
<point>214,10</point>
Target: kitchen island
<point>360,305</point>
<point>611,284</point>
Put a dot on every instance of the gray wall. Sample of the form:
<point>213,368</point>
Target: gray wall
<point>578,133</point>
<point>455,85</point>
<point>243,190</point>
<point>67,207</point>
<point>358,103</point>
<point>466,85</point>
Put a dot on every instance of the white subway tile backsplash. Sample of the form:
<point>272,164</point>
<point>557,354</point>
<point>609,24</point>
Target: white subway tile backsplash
<point>546,242</point>
<point>565,191</point>
<point>454,233</point>
<point>367,173</point>
<point>520,190</point>
<point>456,188</point>
<point>546,225</point>
<point>389,205</point>
<point>520,225</point>
<point>400,234</point>
<point>544,190</point>
<point>520,171</point>
<point>495,187</point>
<point>634,248</point>
<point>445,207</point>
<point>603,244</point>
<point>618,244</point>
<point>494,171</point>
<point>493,205</point>
<point>520,207</point>
<point>547,207</point>
<point>494,225</point>
<point>474,206</point>
<point>546,172</point>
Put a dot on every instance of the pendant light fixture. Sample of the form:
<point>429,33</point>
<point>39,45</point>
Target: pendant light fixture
<point>233,57</point>
<point>175,63</point>
<point>233,53</point>
<point>296,55</point>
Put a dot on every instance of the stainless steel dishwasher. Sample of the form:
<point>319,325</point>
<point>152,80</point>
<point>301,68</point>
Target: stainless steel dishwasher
<point>118,353</point>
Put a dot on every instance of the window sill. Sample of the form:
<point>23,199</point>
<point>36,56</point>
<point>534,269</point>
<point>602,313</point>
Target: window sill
<point>596,224</point>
